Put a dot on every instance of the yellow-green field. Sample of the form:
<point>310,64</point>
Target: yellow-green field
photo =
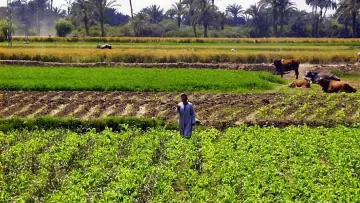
<point>171,50</point>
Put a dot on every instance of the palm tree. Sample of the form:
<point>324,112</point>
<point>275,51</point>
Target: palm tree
<point>273,4</point>
<point>40,9</point>
<point>155,13</point>
<point>285,8</point>
<point>256,12</point>
<point>139,23</point>
<point>179,10</point>
<point>350,8</point>
<point>131,9</point>
<point>235,11</point>
<point>82,12</point>
<point>191,9</point>
<point>100,6</point>
<point>206,14</point>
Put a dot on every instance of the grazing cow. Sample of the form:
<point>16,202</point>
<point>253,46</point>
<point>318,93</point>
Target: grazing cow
<point>315,76</point>
<point>301,83</point>
<point>104,46</point>
<point>286,65</point>
<point>331,86</point>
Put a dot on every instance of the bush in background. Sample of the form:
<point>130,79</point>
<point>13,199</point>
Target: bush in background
<point>63,27</point>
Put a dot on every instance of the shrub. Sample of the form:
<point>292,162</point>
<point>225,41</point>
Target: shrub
<point>63,27</point>
<point>3,30</point>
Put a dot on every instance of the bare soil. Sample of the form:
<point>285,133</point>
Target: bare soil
<point>220,110</point>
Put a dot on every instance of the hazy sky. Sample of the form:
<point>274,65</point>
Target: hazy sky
<point>166,4</point>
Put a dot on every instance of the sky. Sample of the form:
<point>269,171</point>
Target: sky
<point>166,4</point>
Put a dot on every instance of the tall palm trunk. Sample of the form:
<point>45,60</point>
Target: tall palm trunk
<point>86,23</point>
<point>51,5</point>
<point>274,19</point>
<point>179,20</point>
<point>101,19</point>
<point>194,29</point>
<point>354,15</point>
<point>281,24</point>
<point>206,26</point>
<point>131,10</point>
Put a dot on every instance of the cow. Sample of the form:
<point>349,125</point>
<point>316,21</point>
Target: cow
<point>104,46</point>
<point>330,86</point>
<point>315,76</point>
<point>301,83</point>
<point>286,65</point>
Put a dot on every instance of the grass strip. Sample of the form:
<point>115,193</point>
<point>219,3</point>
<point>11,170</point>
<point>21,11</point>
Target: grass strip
<point>135,79</point>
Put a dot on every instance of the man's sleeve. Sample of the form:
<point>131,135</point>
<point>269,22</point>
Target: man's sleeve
<point>193,116</point>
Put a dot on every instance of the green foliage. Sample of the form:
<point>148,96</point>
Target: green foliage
<point>3,30</point>
<point>63,27</point>
<point>78,125</point>
<point>243,164</point>
<point>135,79</point>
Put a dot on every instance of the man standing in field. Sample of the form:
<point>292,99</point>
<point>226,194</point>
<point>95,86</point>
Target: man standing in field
<point>186,113</point>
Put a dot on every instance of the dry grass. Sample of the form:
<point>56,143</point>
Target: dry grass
<point>76,54</point>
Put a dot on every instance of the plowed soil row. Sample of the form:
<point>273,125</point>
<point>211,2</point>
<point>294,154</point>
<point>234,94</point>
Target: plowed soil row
<point>211,109</point>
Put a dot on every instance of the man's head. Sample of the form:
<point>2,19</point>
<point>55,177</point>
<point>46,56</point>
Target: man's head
<point>184,98</point>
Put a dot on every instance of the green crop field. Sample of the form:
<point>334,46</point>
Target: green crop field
<point>135,79</point>
<point>106,134</point>
<point>243,164</point>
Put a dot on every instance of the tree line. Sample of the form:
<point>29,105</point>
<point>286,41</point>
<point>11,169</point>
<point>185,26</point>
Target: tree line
<point>192,18</point>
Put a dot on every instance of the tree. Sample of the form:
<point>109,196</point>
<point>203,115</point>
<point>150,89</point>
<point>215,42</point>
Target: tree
<point>131,10</point>
<point>63,27</point>
<point>258,19</point>
<point>40,9</point>
<point>100,6</point>
<point>155,13</point>
<point>206,14</point>
<point>83,12</point>
<point>179,10</point>
<point>235,11</point>
<point>286,8</point>
<point>349,8</point>
<point>191,9</point>
<point>273,4</point>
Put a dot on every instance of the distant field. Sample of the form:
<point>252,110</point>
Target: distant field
<point>135,79</point>
<point>165,50</point>
<point>243,164</point>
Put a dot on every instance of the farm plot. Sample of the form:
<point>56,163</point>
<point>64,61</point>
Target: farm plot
<point>262,51</point>
<point>243,164</point>
<point>212,109</point>
<point>135,79</point>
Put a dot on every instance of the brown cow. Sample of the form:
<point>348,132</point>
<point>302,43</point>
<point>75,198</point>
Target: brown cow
<point>301,83</point>
<point>331,86</point>
<point>286,65</point>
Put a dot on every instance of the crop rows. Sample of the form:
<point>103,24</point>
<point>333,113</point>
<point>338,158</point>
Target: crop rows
<point>80,55</point>
<point>313,107</point>
<point>242,164</point>
<point>212,109</point>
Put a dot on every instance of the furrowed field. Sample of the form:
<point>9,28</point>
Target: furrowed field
<point>79,124</point>
<point>243,164</point>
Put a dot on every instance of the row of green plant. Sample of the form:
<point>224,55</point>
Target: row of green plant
<point>322,108</point>
<point>135,79</point>
<point>242,164</point>
<point>78,125</point>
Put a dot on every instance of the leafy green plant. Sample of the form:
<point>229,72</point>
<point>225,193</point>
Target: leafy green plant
<point>63,27</point>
